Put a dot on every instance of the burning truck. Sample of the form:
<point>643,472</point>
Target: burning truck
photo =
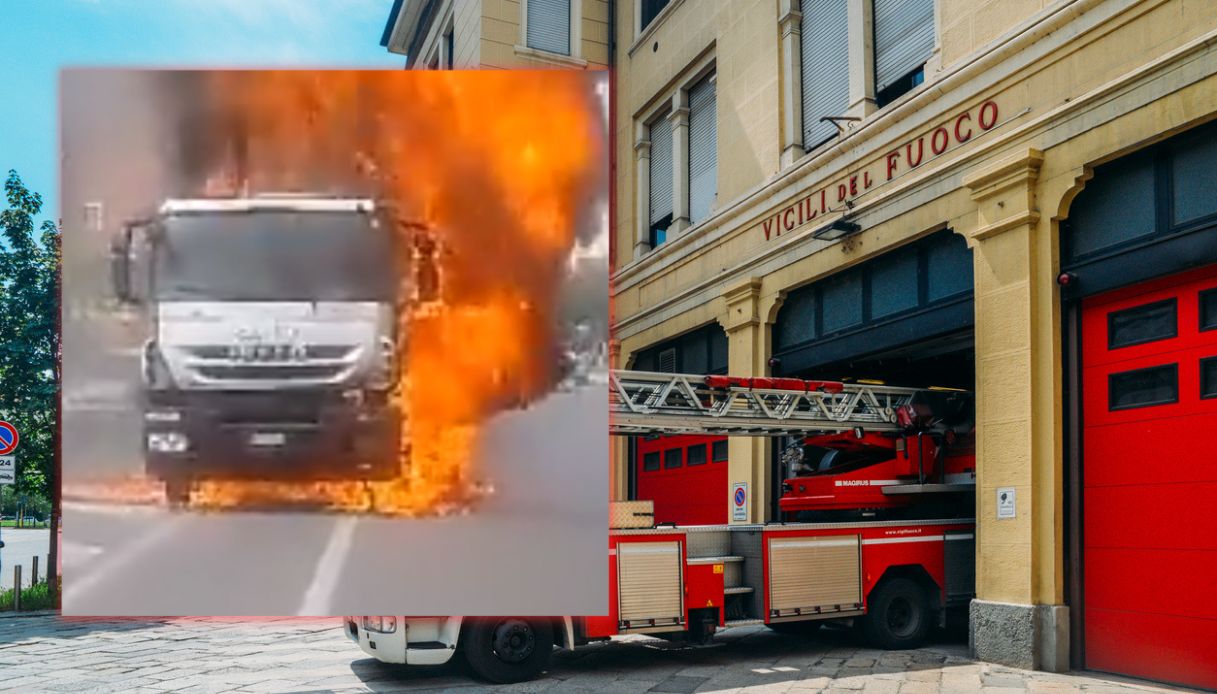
<point>272,339</point>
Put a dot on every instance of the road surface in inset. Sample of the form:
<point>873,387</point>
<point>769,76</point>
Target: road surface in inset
<point>536,546</point>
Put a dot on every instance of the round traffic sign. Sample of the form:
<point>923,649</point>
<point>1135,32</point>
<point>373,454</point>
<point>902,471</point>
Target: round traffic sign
<point>8,438</point>
<point>739,496</point>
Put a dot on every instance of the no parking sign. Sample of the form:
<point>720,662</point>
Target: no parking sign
<point>739,501</point>
<point>8,438</point>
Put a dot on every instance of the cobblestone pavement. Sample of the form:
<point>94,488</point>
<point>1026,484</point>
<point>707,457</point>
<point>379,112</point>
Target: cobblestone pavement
<point>45,653</point>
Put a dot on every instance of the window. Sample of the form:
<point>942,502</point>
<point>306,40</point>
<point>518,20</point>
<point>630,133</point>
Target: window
<point>697,455</point>
<point>718,451</point>
<point>671,458</point>
<point>1208,377</point>
<point>660,180</point>
<point>702,351</point>
<point>449,48</point>
<point>825,67</point>
<point>903,41</point>
<point>933,273</point>
<point>650,461</point>
<point>650,10</point>
<point>1140,324</point>
<point>1157,385</point>
<point>703,158</point>
<point>548,25</point>
<point>1208,309</point>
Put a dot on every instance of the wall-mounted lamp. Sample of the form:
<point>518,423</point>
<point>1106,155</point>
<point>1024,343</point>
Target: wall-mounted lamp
<point>839,228</point>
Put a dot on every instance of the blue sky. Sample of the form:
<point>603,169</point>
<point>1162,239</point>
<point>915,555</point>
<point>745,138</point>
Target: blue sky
<point>38,37</point>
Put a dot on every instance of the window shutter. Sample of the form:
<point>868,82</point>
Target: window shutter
<point>667,361</point>
<point>661,169</point>
<point>549,25</point>
<point>703,157</point>
<point>825,62</point>
<point>904,38</point>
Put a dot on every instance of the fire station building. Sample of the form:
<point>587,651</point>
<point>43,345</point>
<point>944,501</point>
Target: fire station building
<point>1012,196</point>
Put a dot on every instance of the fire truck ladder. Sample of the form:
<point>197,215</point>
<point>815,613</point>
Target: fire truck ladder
<point>643,402</point>
<point>646,403</point>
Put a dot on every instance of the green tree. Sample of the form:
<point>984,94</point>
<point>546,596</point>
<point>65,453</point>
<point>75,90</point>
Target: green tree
<point>29,339</point>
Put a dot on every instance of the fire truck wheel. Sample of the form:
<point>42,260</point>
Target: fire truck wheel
<point>899,615</point>
<point>508,649</point>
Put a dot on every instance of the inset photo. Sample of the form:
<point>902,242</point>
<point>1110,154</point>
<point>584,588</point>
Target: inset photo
<point>334,342</point>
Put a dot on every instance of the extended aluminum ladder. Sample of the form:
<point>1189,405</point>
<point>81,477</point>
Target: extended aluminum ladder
<point>643,402</point>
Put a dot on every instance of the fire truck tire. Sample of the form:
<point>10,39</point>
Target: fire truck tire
<point>898,617</point>
<point>503,650</point>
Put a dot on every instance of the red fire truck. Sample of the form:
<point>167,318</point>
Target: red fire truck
<point>891,578</point>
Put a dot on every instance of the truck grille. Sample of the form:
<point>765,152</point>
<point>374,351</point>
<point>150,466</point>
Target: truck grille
<point>273,352</point>
<point>251,372</point>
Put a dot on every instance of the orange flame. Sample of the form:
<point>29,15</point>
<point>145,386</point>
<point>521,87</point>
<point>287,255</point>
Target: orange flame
<point>500,164</point>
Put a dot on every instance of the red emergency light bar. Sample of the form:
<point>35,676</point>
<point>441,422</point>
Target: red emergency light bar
<point>773,383</point>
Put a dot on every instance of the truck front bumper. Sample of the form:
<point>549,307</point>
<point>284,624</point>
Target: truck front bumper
<point>290,435</point>
<point>412,641</point>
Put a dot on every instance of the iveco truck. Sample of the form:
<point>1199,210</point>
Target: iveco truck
<point>272,339</point>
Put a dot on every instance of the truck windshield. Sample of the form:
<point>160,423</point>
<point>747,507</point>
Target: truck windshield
<point>273,255</point>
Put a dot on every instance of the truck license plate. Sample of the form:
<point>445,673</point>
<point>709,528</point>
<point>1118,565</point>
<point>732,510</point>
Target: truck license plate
<point>267,438</point>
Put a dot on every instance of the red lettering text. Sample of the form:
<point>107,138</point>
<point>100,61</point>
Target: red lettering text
<point>908,152</point>
<point>786,219</point>
<point>768,225</point>
<point>958,122</point>
<point>866,182</point>
<point>990,108</point>
<point>891,163</point>
<point>841,192</point>
<point>946,138</point>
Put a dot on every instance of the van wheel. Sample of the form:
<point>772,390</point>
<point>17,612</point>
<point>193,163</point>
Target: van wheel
<point>898,616</point>
<point>507,649</point>
<point>177,491</point>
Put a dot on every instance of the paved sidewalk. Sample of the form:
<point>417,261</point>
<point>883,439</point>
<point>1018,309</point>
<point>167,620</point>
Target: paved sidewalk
<point>46,653</point>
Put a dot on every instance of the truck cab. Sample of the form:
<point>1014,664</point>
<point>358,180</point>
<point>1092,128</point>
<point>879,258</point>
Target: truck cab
<point>272,343</point>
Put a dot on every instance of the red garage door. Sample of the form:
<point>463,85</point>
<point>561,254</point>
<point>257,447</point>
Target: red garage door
<point>686,477</point>
<point>1149,357</point>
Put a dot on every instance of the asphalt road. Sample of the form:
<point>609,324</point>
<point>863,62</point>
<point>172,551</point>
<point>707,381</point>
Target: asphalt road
<point>537,546</point>
<point>20,547</point>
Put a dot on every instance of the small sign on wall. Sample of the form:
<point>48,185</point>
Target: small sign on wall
<point>1005,502</point>
<point>739,501</point>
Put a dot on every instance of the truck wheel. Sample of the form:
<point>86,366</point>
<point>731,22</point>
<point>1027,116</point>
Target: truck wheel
<point>898,615</point>
<point>177,491</point>
<point>507,649</point>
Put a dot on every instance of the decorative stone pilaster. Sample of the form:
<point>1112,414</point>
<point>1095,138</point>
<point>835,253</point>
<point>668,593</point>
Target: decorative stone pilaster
<point>679,118</point>
<point>790,28</point>
<point>642,195</point>
<point>746,457</point>
<point>1013,619</point>
<point>861,59</point>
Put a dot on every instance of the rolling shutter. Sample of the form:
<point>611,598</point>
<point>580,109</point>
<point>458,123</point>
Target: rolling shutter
<point>661,169</point>
<point>650,583</point>
<point>809,575</point>
<point>549,25</point>
<point>703,158</point>
<point>904,38</point>
<point>825,61</point>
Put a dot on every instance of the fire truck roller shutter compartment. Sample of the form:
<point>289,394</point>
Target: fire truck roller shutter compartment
<point>903,318</point>
<point>813,575</point>
<point>1139,283</point>
<point>650,584</point>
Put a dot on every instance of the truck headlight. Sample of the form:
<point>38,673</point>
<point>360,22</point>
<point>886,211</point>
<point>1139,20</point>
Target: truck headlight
<point>380,625</point>
<point>385,375</point>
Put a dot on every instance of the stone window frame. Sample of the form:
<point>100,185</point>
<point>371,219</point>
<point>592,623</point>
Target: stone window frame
<point>575,59</point>
<point>674,101</point>
<point>861,59</point>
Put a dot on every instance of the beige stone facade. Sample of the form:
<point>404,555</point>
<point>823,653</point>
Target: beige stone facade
<point>1021,99</point>
<point>493,34</point>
